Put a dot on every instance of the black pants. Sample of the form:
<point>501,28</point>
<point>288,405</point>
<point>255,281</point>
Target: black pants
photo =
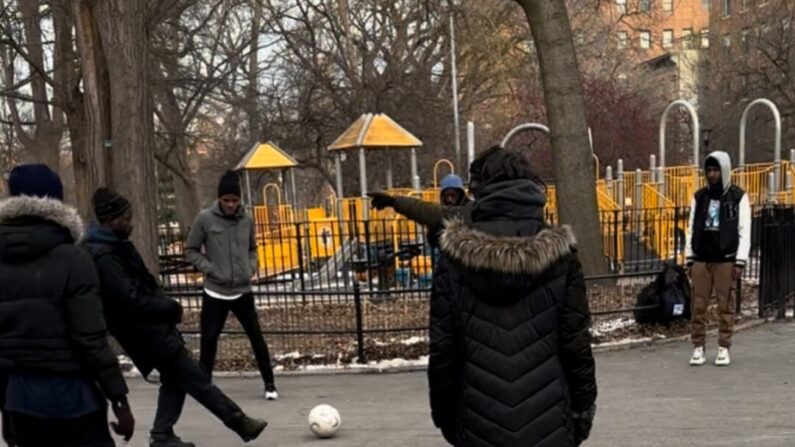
<point>4,420</point>
<point>180,376</point>
<point>213,317</point>
<point>90,430</point>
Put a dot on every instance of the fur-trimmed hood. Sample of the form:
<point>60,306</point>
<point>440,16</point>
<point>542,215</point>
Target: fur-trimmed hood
<point>52,210</point>
<point>479,251</point>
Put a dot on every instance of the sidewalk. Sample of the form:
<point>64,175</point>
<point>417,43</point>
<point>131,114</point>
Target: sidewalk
<point>647,397</point>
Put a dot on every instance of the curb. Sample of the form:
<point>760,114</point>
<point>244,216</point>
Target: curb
<point>630,344</point>
<point>365,369</point>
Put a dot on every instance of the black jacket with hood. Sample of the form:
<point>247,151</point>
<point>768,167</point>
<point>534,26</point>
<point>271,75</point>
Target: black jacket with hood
<point>732,243</point>
<point>510,355</point>
<point>139,315</point>
<point>51,320</point>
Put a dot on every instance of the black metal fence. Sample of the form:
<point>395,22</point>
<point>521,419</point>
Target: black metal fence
<point>778,261</point>
<point>330,291</point>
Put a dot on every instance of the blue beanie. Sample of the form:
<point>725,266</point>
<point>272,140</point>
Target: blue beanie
<point>452,181</point>
<point>35,180</point>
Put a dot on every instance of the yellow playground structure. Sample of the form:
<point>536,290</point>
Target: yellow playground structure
<point>641,210</point>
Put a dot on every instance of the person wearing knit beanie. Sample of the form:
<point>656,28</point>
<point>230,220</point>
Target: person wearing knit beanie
<point>144,322</point>
<point>58,369</point>
<point>222,245</point>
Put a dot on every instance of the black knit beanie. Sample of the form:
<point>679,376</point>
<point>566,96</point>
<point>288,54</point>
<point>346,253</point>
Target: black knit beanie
<point>229,184</point>
<point>109,205</point>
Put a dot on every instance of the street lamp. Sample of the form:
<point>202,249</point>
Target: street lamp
<point>454,71</point>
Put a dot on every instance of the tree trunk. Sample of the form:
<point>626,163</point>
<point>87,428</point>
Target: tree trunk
<point>563,94</point>
<point>187,195</point>
<point>90,161</point>
<point>124,36</point>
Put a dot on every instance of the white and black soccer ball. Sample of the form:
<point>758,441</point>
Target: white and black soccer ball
<point>324,421</point>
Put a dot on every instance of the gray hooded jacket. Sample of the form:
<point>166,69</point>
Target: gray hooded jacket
<point>229,260</point>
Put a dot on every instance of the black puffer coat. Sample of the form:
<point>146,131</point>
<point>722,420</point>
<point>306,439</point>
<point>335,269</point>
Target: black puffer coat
<point>50,310</point>
<point>510,356</point>
<point>139,315</point>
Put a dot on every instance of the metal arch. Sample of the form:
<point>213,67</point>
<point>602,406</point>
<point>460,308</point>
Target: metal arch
<point>777,144</point>
<point>522,128</point>
<point>696,130</point>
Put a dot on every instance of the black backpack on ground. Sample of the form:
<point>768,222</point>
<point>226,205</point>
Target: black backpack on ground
<point>666,299</point>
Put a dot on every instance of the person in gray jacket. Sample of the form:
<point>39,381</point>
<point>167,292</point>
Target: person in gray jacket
<point>229,262</point>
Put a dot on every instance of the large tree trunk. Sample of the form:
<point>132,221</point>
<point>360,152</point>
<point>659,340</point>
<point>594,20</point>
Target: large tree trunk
<point>88,134</point>
<point>124,36</point>
<point>563,94</point>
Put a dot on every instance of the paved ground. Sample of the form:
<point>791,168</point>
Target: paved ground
<point>648,397</point>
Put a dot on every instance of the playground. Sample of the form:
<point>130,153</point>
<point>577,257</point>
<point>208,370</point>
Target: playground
<point>648,397</point>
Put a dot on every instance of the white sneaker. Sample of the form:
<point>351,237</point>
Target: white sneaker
<point>723,358</point>
<point>698,358</point>
<point>271,393</point>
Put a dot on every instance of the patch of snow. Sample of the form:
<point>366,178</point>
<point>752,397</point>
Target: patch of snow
<point>608,326</point>
<point>295,355</point>
<point>416,340</point>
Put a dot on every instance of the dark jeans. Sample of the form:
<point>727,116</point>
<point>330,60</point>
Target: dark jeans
<point>183,375</point>
<point>90,430</point>
<point>213,317</point>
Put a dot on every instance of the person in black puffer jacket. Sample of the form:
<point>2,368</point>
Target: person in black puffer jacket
<point>54,355</point>
<point>143,319</point>
<point>510,349</point>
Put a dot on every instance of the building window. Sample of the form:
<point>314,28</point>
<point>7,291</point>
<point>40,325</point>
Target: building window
<point>745,40</point>
<point>744,5</point>
<point>644,5</point>
<point>706,4</point>
<point>623,39</point>
<point>668,5</point>
<point>726,8</point>
<point>727,43</point>
<point>622,6</point>
<point>705,38</point>
<point>645,39</point>
<point>668,38</point>
<point>687,38</point>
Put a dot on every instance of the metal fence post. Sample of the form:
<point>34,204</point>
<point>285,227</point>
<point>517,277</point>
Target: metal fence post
<point>357,302</point>
<point>301,272</point>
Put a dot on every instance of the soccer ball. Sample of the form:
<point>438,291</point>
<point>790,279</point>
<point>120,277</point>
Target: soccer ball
<point>324,421</point>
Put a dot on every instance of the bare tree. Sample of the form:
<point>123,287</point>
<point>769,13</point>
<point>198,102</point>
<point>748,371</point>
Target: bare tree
<point>22,41</point>
<point>752,55</point>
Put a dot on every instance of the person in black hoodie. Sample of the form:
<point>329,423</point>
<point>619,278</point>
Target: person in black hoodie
<point>510,349</point>
<point>57,364</point>
<point>144,320</point>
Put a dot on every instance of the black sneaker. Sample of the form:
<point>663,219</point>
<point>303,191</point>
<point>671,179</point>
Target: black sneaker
<point>168,441</point>
<point>247,428</point>
<point>271,393</point>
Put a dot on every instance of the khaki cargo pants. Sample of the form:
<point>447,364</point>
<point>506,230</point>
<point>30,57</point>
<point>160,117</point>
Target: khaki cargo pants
<point>707,277</point>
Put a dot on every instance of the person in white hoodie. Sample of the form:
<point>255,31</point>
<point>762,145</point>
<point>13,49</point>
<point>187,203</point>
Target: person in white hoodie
<point>718,242</point>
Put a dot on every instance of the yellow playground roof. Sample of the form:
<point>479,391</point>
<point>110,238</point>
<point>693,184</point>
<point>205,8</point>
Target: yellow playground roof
<point>375,131</point>
<point>266,156</point>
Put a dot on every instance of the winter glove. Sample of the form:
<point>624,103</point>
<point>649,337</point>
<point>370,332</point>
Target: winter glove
<point>125,427</point>
<point>382,200</point>
<point>583,423</point>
